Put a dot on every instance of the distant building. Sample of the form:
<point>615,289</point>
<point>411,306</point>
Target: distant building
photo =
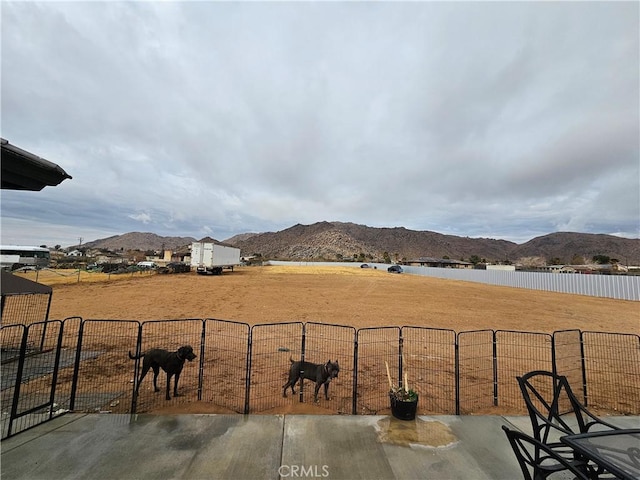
<point>107,258</point>
<point>438,263</point>
<point>504,268</point>
<point>606,269</point>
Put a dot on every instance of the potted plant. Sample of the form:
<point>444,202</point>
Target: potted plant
<point>404,400</point>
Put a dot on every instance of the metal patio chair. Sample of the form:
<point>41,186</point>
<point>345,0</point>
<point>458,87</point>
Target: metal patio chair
<point>553,408</point>
<point>538,461</point>
<point>555,411</point>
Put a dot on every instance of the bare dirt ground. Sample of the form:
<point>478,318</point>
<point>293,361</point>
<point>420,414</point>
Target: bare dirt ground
<point>345,296</point>
<point>334,295</point>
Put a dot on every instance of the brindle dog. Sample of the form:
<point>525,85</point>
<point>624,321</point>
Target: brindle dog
<point>321,374</point>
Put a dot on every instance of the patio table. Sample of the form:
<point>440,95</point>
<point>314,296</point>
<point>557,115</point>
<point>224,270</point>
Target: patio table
<point>617,451</point>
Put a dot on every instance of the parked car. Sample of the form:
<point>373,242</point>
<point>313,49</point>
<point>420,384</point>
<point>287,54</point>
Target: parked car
<point>179,267</point>
<point>26,268</point>
<point>175,267</point>
<point>395,269</point>
<point>146,265</point>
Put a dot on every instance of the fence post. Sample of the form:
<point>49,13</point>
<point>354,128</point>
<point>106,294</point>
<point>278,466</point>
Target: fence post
<point>76,368</point>
<point>456,368</point>
<point>46,319</point>
<point>56,369</point>
<point>495,368</point>
<point>247,387</point>
<point>201,366</point>
<point>136,364</point>
<point>554,366</point>
<point>18,380</point>
<point>583,367</point>
<point>354,407</point>
<point>302,347</point>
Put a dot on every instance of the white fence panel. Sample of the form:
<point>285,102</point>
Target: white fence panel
<point>620,287</point>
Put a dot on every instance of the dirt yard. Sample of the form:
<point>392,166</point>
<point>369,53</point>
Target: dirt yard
<point>332,295</point>
<point>345,296</point>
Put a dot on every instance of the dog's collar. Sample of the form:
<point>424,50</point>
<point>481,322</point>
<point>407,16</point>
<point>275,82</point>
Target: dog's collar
<point>178,355</point>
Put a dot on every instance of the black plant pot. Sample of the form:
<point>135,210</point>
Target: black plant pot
<point>403,409</point>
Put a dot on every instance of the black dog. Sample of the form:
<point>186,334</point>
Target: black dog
<point>321,374</point>
<point>170,362</point>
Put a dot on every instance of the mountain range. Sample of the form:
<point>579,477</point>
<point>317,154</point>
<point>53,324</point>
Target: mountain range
<point>338,240</point>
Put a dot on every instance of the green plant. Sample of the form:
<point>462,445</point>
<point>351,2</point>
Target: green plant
<point>403,393</point>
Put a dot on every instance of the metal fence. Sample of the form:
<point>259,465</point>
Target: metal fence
<point>24,308</point>
<point>271,347</point>
<point>621,287</point>
<point>84,365</point>
<point>225,364</point>
<point>33,388</point>
<point>377,348</point>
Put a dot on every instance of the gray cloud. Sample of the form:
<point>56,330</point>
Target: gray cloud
<point>504,120</point>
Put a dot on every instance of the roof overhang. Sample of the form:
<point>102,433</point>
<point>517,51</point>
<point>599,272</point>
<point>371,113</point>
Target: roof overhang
<point>14,285</point>
<point>22,170</point>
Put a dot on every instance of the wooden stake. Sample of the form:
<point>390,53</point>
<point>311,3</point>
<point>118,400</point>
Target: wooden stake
<point>405,367</point>
<point>389,376</point>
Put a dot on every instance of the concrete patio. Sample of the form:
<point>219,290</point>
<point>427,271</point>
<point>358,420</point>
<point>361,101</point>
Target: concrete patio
<point>107,446</point>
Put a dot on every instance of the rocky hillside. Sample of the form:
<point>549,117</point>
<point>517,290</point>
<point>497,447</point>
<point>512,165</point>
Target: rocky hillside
<point>240,238</point>
<point>139,241</point>
<point>333,240</point>
<point>567,245</point>
<point>336,240</point>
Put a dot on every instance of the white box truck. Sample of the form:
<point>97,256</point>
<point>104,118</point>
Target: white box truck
<point>211,258</point>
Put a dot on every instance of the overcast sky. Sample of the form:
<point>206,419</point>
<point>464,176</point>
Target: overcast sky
<point>504,120</point>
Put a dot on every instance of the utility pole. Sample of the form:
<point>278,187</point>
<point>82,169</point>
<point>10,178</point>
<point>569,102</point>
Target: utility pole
<point>79,247</point>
